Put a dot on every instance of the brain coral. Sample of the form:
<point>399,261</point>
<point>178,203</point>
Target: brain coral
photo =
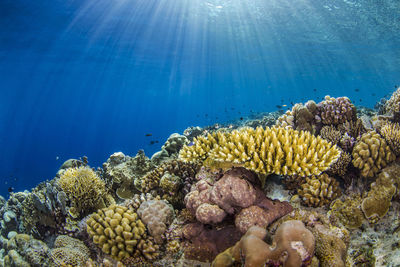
<point>336,110</point>
<point>391,133</point>
<point>83,187</point>
<point>271,150</point>
<point>293,246</point>
<point>320,190</point>
<point>117,231</point>
<point>371,154</point>
<point>69,251</point>
<point>156,214</point>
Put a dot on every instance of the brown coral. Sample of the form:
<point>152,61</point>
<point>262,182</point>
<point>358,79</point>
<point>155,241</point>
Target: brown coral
<point>293,246</point>
<point>348,211</point>
<point>301,117</point>
<point>69,251</point>
<point>271,150</point>
<point>391,133</point>
<point>336,110</point>
<point>340,166</point>
<point>331,134</point>
<point>319,190</point>
<point>371,154</point>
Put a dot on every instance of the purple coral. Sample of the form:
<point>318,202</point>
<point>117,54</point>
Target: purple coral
<point>336,110</point>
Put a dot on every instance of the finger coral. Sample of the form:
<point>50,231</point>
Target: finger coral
<point>319,190</point>
<point>83,187</point>
<point>336,110</point>
<point>117,231</point>
<point>391,133</point>
<point>371,154</point>
<point>293,246</point>
<point>271,150</point>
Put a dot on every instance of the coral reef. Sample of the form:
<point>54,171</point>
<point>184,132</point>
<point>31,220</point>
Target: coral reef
<point>331,134</point>
<point>170,149</point>
<point>301,117</point>
<point>68,251</point>
<point>293,246</point>
<point>340,166</point>
<point>336,110</point>
<point>276,150</point>
<point>391,133</point>
<point>25,251</point>
<point>371,154</point>
<point>84,189</point>
<point>117,231</point>
<point>392,106</point>
<point>319,190</point>
<point>157,215</point>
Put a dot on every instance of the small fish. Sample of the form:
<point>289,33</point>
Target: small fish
<point>279,106</point>
<point>291,103</point>
<point>10,189</point>
<point>395,86</point>
<point>360,100</point>
<point>191,144</point>
<point>284,105</point>
<point>149,134</point>
<point>357,90</point>
<point>241,118</point>
<point>373,94</point>
<point>57,157</point>
<point>153,142</point>
<point>314,89</point>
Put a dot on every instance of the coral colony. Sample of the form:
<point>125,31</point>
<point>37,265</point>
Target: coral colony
<point>316,186</point>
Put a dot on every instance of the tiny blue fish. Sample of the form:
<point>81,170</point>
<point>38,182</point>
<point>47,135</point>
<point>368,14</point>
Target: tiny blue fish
<point>191,143</point>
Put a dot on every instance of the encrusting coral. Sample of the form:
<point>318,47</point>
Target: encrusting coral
<point>265,151</point>
<point>118,232</point>
<point>348,212</point>
<point>293,245</point>
<point>319,190</point>
<point>391,132</point>
<point>378,200</point>
<point>84,189</point>
<point>371,154</point>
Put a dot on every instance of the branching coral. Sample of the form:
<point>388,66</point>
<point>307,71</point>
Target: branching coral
<point>320,190</point>
<point>391,133</point>
<point>293,246</point>
<point>340,166</point>
<point>84,189</point>
<point>336,110</point>
<point>331,134</point>
<point>371,154</point>
<point>271,150</point>
<point>118,232</point>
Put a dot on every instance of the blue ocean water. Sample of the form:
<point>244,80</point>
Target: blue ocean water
<point>82,77</point>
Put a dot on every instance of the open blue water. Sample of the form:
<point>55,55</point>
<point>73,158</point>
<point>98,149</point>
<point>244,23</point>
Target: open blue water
<point>85,77</point>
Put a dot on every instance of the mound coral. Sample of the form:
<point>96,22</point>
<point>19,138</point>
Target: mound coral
<point>118,232</point>
<point>371,154</point>
<point>24,251</point>
<point>293,246</point>
<point>69,251</point>
<point>391,133</point>
<point>271,150</point>
<point>319,190</point>
<point>301,117</point>
<point>156,214</point>
<point>84,189</point>
<point>336,110</point>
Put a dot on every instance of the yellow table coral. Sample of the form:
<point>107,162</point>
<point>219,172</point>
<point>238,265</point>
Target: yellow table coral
<point>266,151</point>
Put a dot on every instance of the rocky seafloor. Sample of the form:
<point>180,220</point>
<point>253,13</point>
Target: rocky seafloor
<point>315,186</point>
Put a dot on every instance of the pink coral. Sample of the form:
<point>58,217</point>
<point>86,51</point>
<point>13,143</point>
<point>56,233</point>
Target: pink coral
<point>336,110</point>
<point>293,246</point>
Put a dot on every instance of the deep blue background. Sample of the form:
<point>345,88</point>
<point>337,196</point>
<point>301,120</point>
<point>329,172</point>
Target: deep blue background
<point>84,77</point>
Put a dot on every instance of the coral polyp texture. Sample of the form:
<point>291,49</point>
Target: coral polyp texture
<point>266,151</point>
<point>69,251</point>
<point>371,153</point>
<point>393,104</point>
<point>83,187</point>
<point>117,231</point>
<point>319,190</point>
<point>336,110</point>
<point>391,132</point>
<point>348,212</point>
<point>293,246</point>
